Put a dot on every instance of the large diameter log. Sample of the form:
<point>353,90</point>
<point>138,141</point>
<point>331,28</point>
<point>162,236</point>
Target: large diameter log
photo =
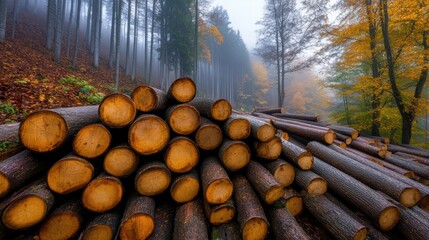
<point>217,187</point>
<point>334,219</point>
<point>181,155</point>
<point>406,194</point>
<point>69,174</point>
<point>418,168</point>
<point>250,214</point>
<point>47,130</point>
<point>64,222</point>
<point>120,161</point>
<point>307,132</point>
<point>234,155</point>
<point>220,213</point>
<point>364,147</point>
<point>270,150</point>
<point>260,130</point>
<point>117,110</point>
<point>298,116</point>
<point>164,220</point>
<point>185,187</point>
<point>236,127</point>
<point>264,182</point>
<point>384,214</point>
<point>227,231</point>
<point>353,133</point>
<point>190,222</point>
<point>300,157</point>
<point>27,207</point>
<point>149,134</point>
<point>292,201</point>
<point>209,135</point>
<point>217,110</point>
<point>92,141</point>
<point>183,119</point>
<point>152,178</point>
<point>282,171</point>
<point>284,226</point>
<point>312,183</point>
<point>418,152</point>
<point>102,227</point>
<point>138,220</point>
<point>102,194</point>
<point>182,90</point>
<point>148,99</point>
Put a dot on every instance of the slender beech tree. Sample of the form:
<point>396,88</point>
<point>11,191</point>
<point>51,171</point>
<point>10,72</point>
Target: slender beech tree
<point>69,28</point>
<point>50,26</point>
<point>118,42</point>
<point>3,16</point>
<point>127,54</point>
<point>112,54</point>
<point>76,33</point>
<point>134,62</point>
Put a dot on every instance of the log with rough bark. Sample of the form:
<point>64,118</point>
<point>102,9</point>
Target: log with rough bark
<point>27,207</point>
<point>306,117</point>
<point>227,231</point>
<point>138,221</point>
<point>102,194</point>
<point>364,147</point>
<point>334,219</point>
<point>270,110</point>
<point>282,171</point>
<point>69,174</point>
<point>149,134</point>
<point>351,132</point>
<point>420,169</point>
<point>190,222</point>
<point>182,90</point>
<point>292,201</point>
<point>234,155</point>
<point>417,158</point>
<point>92,141</point>
<point>181,155</point>
<point>217,187</point>
<point>10,139</point>
<point>261,130</point>
<point>264,182</point>
<point>120,161</point>
<point>185,188</point>
<point>47,130</point>
<point>270,150</point>
<point>312,183</point>
<point>209,135</point>
<point>250,214</point>
<point>183,119</point>
<point>148,99</point>
<point>406,194</point>
<point>281,134</point>
<point>284,226</point>
<point>220,213</point>
<point>117,110</point>
<point>418,152</point>
<point>307,132</point>
<point>300,157</point>
<point>344,138</point>
<point>237,127</point>
<point>217,110</point>
<point>64,222</point>
<point>152,178</point>
<point>101,227</point>
<point>340,144</point>
<point>164,220</point>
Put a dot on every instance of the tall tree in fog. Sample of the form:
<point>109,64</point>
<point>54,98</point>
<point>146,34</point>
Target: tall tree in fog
<point>134,62</point>
<point>145,76</point>
<point>112,54</point>
<point>60,11</point>
<point>69,28</point>
<point>50,26</point>
<point>127,54</point>
<point>3,15</point>
<point>76,33</point>
<point>118,41</point>
<point>16,6</point>
<point>96,32</point>
<point>151,40</point>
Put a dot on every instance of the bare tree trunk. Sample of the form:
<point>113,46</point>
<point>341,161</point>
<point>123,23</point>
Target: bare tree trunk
<point>134,62</point>
<point>96,32</point>
<point>69,28</point>
<point>112,36</point>
<point>16,7</point>
<point>118,43</point>
<point>76,34</point>
<point>88,23</point>
<point>151,41</point>
<point>196,43</point>
<point>145,41</point>
<point>3,16</point>
<point>59,30</point>
<point>52,11</point>
<point>127,55</point>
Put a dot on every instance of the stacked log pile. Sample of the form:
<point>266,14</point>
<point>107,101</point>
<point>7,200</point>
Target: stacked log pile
<point>169,165</point>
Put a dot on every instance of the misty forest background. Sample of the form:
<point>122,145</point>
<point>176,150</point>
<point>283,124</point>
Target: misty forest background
<point>362,63</point>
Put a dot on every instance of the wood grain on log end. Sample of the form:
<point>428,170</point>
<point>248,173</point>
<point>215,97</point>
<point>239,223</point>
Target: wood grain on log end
<point>92,141</point>
<point>25,212</point>
<point>182,90</point>
<point>317,186</point>
<point>266,132</point>
<point>284,174</point>
<point>221,110</point>
<point>149,134</point>
<point>60,226</point>
<point>152,179</point>
<point>138,226</point>
<point>234,155</point>
<point>410,197</point>
<point>99,232</point>
<point>4,185</point>
<point>329,137</point>
<point>270,150</point>
<point>388,218</point>
<point>209,137</point>
<point>120,161</point>
<point>145,98</point>
<point>237,129</point>
<point>181,155</point>
<point>282,134</point>
<point>273,194</point>
<point>305,161</point>
<point>220,214</point>
<point>102,194</point>
<point>185,187</point>
<point>293,202</point>
<point>254,229</point>
<point>117,110</point>
<point>183,119</point>
<point>219,191</point>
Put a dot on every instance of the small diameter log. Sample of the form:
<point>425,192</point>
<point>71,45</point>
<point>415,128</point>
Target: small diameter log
<point>284,226</point>
<point>120,161</point>
<point>182,90</point>
<point>208,135</point>
<point>300,157</point>
<point>334,219</point>
<point>181,155</point>
<point>183,119</point>
<point>312,183</point>
<point>421,160</point>
<point>250,214</point>
<point>282,171</point>
<point>149,134</point>
<point>264,182</point>
<point>185,187</point>
<point>406,194</point>
<point>227,231</point>
<point>418,152</point>
<point>69,174</point>
<point>217,187</point>
<point>234,155</point>
<point>307,132</point>
<point>152,178</point>
<point>47,130</point>
<point>344,138</point>
<point>364,147</point>
<point>138,221</point>
<point>418,168</point>
<point>217,110</point>
<point>9,132</point>
<point>190,222</point>
<point>102,227</point>
<point>102,194</point>
<point>260,130</point>
<point>27,207</point>
<point>270,110</point>
<point>270,150</point>
<point>221,213</point>
<point>340,144</point>
<point>236,127</point>
<point>164,220</point>
<point>64,222</point>
<point>282,134</point>
<point>117,110</point>
<point>292,201</point>
<point>148,99</point>
<point>92,141</point>
<point>353,133</point>
<point>306,117</point>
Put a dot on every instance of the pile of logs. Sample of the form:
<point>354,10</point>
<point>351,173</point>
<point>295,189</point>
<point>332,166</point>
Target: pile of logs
<point>169,165</point>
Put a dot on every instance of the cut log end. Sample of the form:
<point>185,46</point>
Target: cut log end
<point>329,137</point>
<point>382,153</point>
<point>236,156</point>
<point>317,186</point>
<point>185,190</point>
<point>270,150</point>
<point>424,203</point>
<point>120,161</point>
<point>295,205</point>
<point>254,229</point>
<point>61,226</point>
<point>145,98</point>
<point>149,134</point>
<point>238,129</point>
<point>222,215</point>
<point>43,131</point>
<point>209,137</point>
<point>285,175</point>
<point>410,197</point>
<point>138,226</point>
<point>221,110</point>
<point>354,134</point>
<point>361,234</point>
<point>117,110</point>
<point>183,90</point>
<point>184,119</point>
<point>181,155</point>
<point>265,133</point>
<point>102,195</point>
<point>98,232</point>
<point>219,191</point>
<point>305,161</point>
<point>153,182</point>
<point>4,185</point>
<point>25,212</point>
<point>388,218</point>
<point>274,194</point>
<point>92,141</point>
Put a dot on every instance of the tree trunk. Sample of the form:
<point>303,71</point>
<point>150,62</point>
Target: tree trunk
<point>112,54</point>
<point>217,187</point>
<point>153,178</point>
<point>181,155</point>
<point>312,183</point>
<point>151,42</point>
<point>3,17</point>
<point>183,119</point>
<point>102,194</point>
<point>209,135</point>
<point>305,117</point>
<point>145,40</point>
<point>92,141</point>
<point>234,155</point>
<point>134,61</point>
<point>260,130</point>
<point>69,27</point>
<point>16,7</point>
<point>121,161</point>
<point>420,169</point>
<point>270,150</point>
<point>96,32</point>
<point>117,110</point>
<point>306,132</point>
<point>300,157</point>
<point>353,133</point>
<point>58,29</point>
<point>127,54</point>
<point>103,226</point>
<point>220,213</point>
<point>50,26</point>
<point>190,222</point>
<point>76,33</point>
<point>284,226</point>
<point>164,220</point>
<point>117,42</point>
<point>185,188</point>
<point>236,127</point>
